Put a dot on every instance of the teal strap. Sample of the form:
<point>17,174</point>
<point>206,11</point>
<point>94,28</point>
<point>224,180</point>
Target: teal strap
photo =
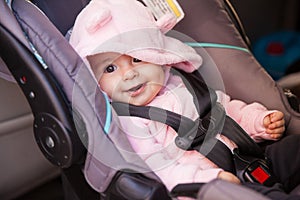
<point>215,45</point>
<point>36,54</point>
<point>108,115</point>
<point>8,2</point>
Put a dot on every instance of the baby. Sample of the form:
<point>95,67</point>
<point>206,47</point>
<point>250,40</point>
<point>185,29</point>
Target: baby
<point>131,57</point>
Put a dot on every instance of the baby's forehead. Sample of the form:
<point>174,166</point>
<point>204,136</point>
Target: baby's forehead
<point>107,57</point>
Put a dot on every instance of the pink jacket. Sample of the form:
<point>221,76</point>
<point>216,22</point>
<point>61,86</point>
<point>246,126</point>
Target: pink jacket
<point>154,142</point>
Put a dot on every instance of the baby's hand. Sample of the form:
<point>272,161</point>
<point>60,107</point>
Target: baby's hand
<point>227,176</point>
<point>274,124</point>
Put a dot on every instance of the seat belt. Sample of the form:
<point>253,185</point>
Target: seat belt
<point>190,136</point>
<point>194,136</point>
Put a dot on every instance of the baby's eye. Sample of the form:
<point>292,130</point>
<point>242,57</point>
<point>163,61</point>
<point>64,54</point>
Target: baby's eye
<point>110,69</point>
<point>135,60</point>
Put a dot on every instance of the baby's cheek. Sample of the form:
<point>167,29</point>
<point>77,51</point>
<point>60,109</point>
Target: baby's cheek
<point>109,86</point>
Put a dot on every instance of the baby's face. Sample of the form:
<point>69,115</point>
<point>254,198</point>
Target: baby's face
<point>126,79</point>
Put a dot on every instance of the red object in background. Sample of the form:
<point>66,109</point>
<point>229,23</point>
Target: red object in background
<point>275,48</point>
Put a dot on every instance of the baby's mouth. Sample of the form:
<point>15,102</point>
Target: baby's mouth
<point>136,90</point>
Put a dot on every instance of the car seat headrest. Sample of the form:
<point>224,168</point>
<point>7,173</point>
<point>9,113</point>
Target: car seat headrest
<point>61,13</point>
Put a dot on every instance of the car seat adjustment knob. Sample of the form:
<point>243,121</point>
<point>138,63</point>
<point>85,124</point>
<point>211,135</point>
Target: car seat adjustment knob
<point>50,142</point>
<point>53,139</point>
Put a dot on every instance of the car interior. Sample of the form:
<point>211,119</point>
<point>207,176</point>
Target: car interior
<point>45,142</point>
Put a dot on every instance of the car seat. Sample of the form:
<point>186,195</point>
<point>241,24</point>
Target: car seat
<point>66,117</point>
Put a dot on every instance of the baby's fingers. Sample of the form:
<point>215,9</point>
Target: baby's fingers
<point>227,176</point>
<point>276,124</point>
<point>276,116</point>
<point>276,133</point>
<point>276,136</point>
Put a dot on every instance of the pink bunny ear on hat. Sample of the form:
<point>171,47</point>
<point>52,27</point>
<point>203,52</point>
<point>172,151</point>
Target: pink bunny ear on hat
<point>98,20</point>
<point>128,27</point>
<point>166,22</point>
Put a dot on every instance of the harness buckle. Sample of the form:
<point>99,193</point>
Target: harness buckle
<point>254,170</point>
<point>259,172</point>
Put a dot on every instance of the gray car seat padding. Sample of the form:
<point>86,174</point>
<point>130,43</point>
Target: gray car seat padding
<point>81,89</point>
<point>244,78</point>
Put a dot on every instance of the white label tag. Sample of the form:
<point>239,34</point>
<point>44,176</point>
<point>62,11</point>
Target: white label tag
<point>162,7</point>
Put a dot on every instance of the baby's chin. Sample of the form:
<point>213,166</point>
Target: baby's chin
<point>130,101</point>
<point>140,101</point>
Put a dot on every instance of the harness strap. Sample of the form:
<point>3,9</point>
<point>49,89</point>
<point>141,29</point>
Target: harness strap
<point>179,123</point>
<point>245,143</point>
<point>191,134</point>
<point>212,113</point>
<point>219,154</point>
<point>199,90</point>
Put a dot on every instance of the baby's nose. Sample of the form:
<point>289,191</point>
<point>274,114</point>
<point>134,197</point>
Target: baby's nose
<point>130,74</point>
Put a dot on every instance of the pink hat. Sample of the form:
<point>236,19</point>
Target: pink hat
<point>127,27</point>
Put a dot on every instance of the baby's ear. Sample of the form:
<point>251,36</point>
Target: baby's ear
<point>166,22</point>
<point>98,20</point>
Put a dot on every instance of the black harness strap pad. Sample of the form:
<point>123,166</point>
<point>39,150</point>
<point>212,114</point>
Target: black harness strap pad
<point>203,96</point>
